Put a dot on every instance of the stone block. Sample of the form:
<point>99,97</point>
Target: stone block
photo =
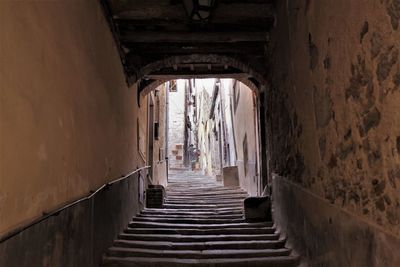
<point>257,209</point>
<point>155,196</point>
<point>179,146</point>
<point>230,176</point>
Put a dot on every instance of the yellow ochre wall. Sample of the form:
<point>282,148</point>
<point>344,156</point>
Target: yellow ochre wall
<point>63,98</point>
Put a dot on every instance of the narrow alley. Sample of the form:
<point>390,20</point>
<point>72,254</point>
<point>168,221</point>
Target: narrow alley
<point>199,133</point>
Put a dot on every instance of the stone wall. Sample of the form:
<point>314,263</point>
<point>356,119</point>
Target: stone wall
<point>327,235</point>
<point>176,125</point>
<point>333,104</point>
<point>207,127</point>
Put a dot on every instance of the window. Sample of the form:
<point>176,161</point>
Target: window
<point>156,131</point>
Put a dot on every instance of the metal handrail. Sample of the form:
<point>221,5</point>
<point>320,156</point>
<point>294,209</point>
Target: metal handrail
<point>55,212</point>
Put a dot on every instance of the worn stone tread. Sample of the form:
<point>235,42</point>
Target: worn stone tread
<point>193,216</point>
<point>197,254</point>
<point>190,212</point>
<point>202,206</point>
<point>198,211</point>
<point>282,261</point>
<point>188,220</point>
<point>253,244</point>
<point>192,231</point>
<point>201,226</point>
<point>198,238</point>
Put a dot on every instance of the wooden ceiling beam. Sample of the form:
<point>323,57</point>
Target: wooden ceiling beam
<point>199,48</point>
<point>221,13</point>
<point>191,37</point>
<point>246,1</point>
<point>249,24</point>
<point>198,76</point>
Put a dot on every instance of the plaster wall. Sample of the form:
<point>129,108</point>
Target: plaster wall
<point>159,164</point>
<point>63,97</point>
<point>333,106</point>
<point>176,125</point>
<point>207,127</point>
<point>142,127</point>
<point>244,117</point>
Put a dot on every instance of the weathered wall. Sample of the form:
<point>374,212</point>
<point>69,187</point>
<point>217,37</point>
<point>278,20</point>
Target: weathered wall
<point>333,104</point>
<point>328,235</point>
<point>244,117</point>
<point>208,131</point>
<point>79,235</point>
<point>63,98</point>
<point>159,164</point>
<point>227,130</point>
<point>176,126</point>
<point>142,127</point>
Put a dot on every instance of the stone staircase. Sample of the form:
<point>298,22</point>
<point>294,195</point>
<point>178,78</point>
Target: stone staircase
<point>201,224</point>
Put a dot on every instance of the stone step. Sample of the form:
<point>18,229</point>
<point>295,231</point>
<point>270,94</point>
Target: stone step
<point>195,200</point>
<point>193,216</point>
<point>205,195</point>
<point>165,245</point>
<point>183,199</point>
<point>167,212</point>
<point>197,231</point>
<point>201,187</point>
<point>198,182</point>
<point>282,261</point>
<point>187,220</point>
<point>218,197</point>
<point>201,206</point>
<point>192,179</point>
<point>197,238</point>
<point>204,202</point>
<point>197,254</point>
<point>146,224</point>
<point>219,210</point>
<point>189,191</point>
<point>212,189</point>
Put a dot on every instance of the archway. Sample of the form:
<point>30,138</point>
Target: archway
<point>198,66</point>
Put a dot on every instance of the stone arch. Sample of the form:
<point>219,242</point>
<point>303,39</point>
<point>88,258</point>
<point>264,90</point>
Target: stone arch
<point>253,78</point>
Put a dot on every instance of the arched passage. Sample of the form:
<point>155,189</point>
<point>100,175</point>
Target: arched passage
<point>154,74</point>
<point>200,66</point>
<point>332,122</point>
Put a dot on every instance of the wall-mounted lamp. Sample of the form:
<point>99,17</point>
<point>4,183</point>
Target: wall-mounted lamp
<point>199,9</point>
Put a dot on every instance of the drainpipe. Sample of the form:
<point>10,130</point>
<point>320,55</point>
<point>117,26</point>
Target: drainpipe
<point>166,127</point>
<point>186,129</point>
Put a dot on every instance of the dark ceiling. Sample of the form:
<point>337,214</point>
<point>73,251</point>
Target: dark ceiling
<point>159,40</point>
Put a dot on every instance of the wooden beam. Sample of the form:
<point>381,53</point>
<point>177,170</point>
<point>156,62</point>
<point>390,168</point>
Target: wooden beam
<point>124,5</point>
<point>246,1</point>
<point>248,24</point>
<point>241,10</point>
<point>197,75</point>
<point>221,13</point>
<point>191,37</point>
<point>252,48</point>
